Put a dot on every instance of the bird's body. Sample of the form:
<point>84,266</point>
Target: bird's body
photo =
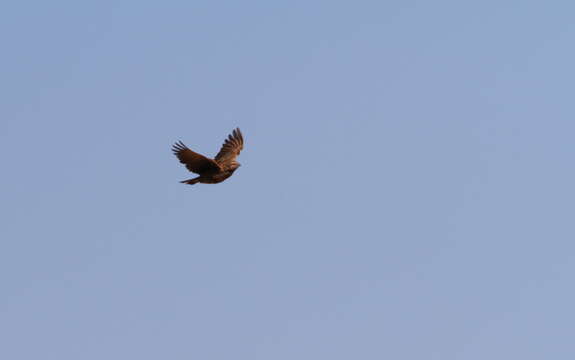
<point>210,178</point>
<point>211,171</point>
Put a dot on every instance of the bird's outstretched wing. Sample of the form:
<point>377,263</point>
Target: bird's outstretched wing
<point>231,148</point>
<point>195,162</point>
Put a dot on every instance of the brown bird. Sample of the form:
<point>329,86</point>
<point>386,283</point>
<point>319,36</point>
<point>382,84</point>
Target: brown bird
<point>211,171</point>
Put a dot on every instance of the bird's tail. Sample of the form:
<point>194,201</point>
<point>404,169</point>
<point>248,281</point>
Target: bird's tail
<point>191,181</point>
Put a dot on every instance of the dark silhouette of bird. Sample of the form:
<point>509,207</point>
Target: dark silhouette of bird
<point>216,170</point>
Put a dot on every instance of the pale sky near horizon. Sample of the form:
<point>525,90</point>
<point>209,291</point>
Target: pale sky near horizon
<point>406,189</point>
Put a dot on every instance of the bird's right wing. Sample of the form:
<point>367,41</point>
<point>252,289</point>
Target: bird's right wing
<point>231,148</point>
<point>195,162</point>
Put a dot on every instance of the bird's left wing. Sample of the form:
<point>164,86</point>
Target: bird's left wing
<point>195,162</point>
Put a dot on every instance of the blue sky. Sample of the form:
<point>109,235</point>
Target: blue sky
<point>406,188</point>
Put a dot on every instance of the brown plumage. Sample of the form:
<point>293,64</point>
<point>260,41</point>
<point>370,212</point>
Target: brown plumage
<point>211,171</point>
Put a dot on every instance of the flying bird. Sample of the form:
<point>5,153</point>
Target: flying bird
<point>216,170</point>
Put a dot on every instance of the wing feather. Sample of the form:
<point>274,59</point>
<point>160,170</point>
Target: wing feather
<point>231,148</point>
<point>194,162</point>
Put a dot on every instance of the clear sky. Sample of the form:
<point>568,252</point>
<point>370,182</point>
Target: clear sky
<point>406,189</point>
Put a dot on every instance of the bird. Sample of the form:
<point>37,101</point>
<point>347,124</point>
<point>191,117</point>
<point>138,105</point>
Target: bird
<point>211,171</point>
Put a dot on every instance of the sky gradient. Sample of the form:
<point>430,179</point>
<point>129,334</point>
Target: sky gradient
<point>406,189</point>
